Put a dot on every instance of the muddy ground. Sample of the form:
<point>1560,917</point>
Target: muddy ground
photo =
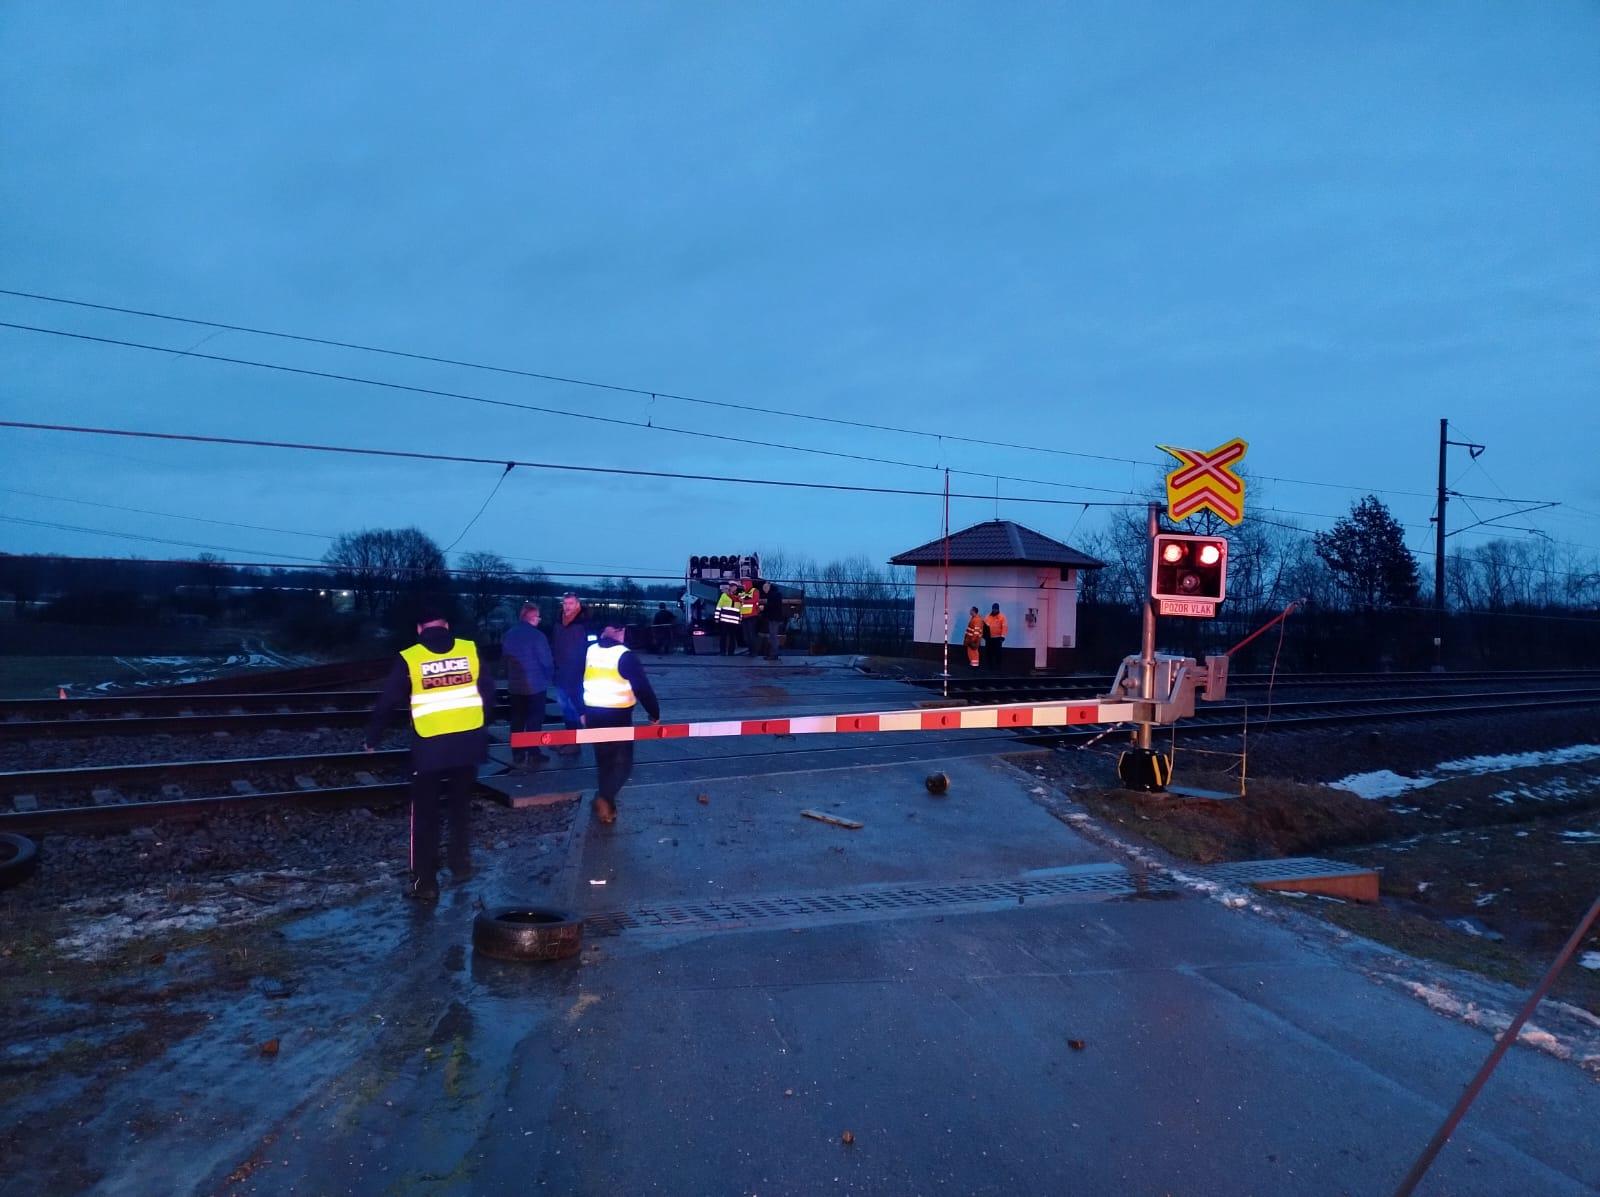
<point>1488,865</point>
<point>115,953</point>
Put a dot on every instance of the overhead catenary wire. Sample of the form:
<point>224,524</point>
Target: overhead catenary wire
<point>493,491</point>
<point>199,519</point>
<point>566,380</point>
<point>464,459</point>
<point>563,413</point>
<point>652,393</point>
<point>186,544</point>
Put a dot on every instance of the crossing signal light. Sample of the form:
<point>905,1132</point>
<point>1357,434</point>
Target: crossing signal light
<point>1189,568</point>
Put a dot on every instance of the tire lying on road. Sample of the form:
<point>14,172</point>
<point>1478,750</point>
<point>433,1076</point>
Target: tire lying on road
<point>527,933</point>
<point>18,858</point>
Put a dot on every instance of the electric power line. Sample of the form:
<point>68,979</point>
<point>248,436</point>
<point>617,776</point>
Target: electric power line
<point>658,393</point>
<point>614,421</point>
<point>199,519</point>
<point>186,544</point>
<point>417,455</point>
<point>498,483</point>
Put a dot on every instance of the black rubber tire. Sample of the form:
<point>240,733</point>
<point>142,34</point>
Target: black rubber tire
<point>18,859</point>
<point>528,933</point>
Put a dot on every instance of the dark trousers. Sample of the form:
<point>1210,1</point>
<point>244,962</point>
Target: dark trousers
<point>614,762</point>
<point>991,650</point>
<point>426,791</point>
<point>571,702</point>
<point>747,632</point>
<point>730,638</point>
<point>774,631</point>
<point>527,715</point>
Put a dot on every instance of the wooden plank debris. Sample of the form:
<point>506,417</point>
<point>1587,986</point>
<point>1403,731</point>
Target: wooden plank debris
<point>822,817</point>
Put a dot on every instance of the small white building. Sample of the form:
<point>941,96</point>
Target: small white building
<point>1034,579</point>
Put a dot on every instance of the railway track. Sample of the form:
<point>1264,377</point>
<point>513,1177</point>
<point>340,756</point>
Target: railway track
<point>1021,689</point>
<point>102,797</point>
<point>186,711</point>
<point>154,715</point>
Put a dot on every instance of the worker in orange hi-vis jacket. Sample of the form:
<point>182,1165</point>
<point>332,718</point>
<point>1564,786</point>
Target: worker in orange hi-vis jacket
<point>972,640</point>
<point>995,621</point>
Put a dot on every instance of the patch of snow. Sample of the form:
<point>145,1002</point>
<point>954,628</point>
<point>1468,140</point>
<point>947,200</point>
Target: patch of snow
<point>149,912</point>
<point>1572,1011</point>
<point>1580,835</point>
<point>1589,960</point>
<point>1485,899</point>
<point>1423,886</point>
<point>1522,760</point>
<point>1384,783</point>
<point>1444,1002</point>
<point>1473,927</point>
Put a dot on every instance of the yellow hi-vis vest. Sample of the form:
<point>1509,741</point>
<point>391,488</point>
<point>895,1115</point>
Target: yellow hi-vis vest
<point>444,689</point>
<point>747,603</point>
<point>603,683</point>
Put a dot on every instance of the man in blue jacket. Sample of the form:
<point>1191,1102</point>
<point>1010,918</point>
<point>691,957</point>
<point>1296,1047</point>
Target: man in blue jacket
<point>529,669</point>
<point>613,683</point>
<point>450,695</point>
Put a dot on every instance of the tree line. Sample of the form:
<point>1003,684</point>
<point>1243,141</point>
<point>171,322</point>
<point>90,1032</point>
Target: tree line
<point>1366,598</point>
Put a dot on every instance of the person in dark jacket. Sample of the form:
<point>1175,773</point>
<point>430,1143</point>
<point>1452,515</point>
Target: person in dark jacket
<point>529,670</point>
<point>450,695</point>
<point>662,629</point>
<point>613,684</point>
<point>772,614</point>
<point>569,643</point>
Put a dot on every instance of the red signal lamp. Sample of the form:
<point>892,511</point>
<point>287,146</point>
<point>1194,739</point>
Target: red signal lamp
<point>1189,571</point>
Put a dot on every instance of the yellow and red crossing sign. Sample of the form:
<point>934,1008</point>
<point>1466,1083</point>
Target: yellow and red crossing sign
<point>1206,482</point>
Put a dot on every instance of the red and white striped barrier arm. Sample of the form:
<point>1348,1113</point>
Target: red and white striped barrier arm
<point>1075,714</point>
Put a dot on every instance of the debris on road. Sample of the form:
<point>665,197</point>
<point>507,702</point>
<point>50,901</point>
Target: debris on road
<point>1076,1045</point>
<point>822,817</point>
<point>269,1049</point>
<point>937,783</point>
<point>847,1138</point>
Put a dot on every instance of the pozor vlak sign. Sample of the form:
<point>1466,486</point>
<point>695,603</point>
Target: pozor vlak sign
<point>1189,574</point>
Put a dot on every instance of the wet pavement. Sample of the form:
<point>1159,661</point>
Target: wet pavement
<point>1090,1041</point>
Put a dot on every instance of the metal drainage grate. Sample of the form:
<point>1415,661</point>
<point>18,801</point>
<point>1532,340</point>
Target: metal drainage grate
<point>1097,881</point>
<point>1293,868</point>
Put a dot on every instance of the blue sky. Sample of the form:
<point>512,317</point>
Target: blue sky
<point>1091,228</point>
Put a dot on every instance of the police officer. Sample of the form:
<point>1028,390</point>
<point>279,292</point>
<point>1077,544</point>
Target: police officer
<point>613,683</point>
<point>449,695</point>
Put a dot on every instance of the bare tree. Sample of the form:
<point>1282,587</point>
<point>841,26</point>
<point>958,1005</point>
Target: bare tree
<point>379,564</point>
<point>485,579</point>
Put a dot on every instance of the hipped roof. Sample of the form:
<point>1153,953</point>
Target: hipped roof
<point>998,542</point>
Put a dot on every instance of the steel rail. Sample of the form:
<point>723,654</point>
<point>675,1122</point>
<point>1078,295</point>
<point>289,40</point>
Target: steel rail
<point>117,815</point>
<point>167,772</point>
<point>1209,722</point>
<point>179,713</point>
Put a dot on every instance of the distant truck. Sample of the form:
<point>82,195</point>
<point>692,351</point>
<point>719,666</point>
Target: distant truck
<point>706,576</point>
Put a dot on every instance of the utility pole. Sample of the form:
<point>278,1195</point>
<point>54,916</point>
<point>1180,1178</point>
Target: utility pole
<point>1144,738</point>
<point>1438,555</point>
<point>1474,451</point>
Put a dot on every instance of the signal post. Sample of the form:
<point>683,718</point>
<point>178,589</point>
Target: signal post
<point>1188,576</point>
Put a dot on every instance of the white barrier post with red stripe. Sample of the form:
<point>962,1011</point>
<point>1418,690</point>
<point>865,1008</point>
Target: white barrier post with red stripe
<point>1075,714</point>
